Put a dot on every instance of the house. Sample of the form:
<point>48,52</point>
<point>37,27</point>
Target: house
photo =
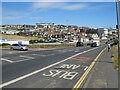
<point>106,32</point>
<point>45,25</point>
<point>13,41</point>
<point>2,29</point>
<point>11,31</point>
<point>95,36</point>
<point>100,32</point>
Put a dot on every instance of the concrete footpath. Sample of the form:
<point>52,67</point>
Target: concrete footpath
<point>103,74</point>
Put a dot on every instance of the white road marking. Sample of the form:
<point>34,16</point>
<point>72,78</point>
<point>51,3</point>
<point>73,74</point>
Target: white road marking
<point>21,60</point>
<point>42,55</point>
<point>26,57</point>
<point>3,59</point>
<point>37,71</point>
<point>10,52</point>
<point>70,50</point>
<point>34,54</point>
<point>69,66</point>
<point>76,51</point>
<point>50,54</point>
<point>65,74</point>
<point>86,68</point>
<point>47,55</point>
<point>62,51</point>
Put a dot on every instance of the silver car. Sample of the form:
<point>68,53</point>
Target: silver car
<point>18,47</point>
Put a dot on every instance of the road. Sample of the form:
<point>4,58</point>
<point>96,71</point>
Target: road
<point>57,68</point>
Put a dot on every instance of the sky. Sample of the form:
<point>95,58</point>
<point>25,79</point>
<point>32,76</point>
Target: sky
<point>91,14</point>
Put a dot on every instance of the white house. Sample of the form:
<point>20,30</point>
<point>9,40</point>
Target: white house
<point>95,36</point>
<point>9,31</point>
<point>2,40</point>
<point>106,32</point>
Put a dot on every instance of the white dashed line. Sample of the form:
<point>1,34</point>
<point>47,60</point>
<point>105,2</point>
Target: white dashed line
<point>3,59</point>
<point>27,57</point>
<point>76,51</point>
<point>34,54</point>
<point>86,68</point>
<point>21,60</point>
<point>42,55</point>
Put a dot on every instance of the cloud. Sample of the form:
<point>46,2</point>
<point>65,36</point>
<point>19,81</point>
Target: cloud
<point>47,5</point>
<point>75,7</point>
<point>99,6</point>
<point>9,15</point>
<point>36,7</point>
<point>12,15</point>
<point>62,5</point>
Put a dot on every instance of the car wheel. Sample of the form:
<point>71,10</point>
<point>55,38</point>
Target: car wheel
<point>11,48</point>
<point>26,50</point>
<point>21,49</point>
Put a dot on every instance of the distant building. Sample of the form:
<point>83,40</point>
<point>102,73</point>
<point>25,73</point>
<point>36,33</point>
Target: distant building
<point>95,36</point>
<point>106,32</point>
<point>13,41</point>
<point>45,25</point>
<point>100,32</point>
<point>10,31</point>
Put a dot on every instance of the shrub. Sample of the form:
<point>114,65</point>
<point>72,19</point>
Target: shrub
<point>116,41</point>
<point>5,44</point>
<point>41,41</point>
<point>36,41</point>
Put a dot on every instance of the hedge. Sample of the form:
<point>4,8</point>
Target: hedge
<point>5,44</point>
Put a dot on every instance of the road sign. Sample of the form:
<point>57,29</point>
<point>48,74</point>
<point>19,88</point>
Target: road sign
<point>117,26</point>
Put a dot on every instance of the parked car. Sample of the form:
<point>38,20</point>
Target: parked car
<point>88,44</point>
<point>97,42</point>
<point>94,44</point>
<point>18,47</point>
<point>79,44</point>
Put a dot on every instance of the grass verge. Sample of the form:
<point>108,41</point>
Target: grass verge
<point>51,46</point>
<point>43,46</point>
<point>114,53</point>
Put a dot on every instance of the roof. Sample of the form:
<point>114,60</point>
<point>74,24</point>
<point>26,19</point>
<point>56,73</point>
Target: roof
<point>2,27</point>
<point>11,30</point>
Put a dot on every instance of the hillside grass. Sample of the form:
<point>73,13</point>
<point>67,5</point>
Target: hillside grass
<point>19,37</point>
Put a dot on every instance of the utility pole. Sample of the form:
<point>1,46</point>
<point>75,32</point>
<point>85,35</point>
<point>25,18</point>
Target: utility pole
<point>118,24</point>
<point>67,22</point>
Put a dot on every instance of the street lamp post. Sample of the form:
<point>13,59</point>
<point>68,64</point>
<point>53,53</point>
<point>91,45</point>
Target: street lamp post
<point>118,24</point>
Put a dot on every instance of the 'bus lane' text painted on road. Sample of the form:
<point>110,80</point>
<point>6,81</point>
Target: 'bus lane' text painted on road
<point>65,74</point>
<point>61,74</point>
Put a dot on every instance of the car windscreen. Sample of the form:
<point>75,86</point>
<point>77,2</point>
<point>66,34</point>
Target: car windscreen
<point>94,43</point>
<point>22,45</point>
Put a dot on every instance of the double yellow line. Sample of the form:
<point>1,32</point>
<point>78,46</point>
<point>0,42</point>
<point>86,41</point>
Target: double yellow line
<point>78,84</point>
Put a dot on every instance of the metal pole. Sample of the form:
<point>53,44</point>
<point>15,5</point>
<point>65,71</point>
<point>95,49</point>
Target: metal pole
<point>118,23</point>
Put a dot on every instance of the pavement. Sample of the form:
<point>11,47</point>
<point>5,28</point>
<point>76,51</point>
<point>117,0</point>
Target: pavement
<point>103,75</point>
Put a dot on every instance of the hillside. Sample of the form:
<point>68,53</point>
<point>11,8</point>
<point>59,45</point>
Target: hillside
<point>19,37</point>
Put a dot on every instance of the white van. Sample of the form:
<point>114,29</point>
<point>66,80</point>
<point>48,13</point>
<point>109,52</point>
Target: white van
<point>97,42</point>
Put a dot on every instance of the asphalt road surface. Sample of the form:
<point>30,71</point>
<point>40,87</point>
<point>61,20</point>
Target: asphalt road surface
<point>57,68</point>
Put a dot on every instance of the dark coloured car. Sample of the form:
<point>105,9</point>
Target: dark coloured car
<point>94,44</point>
<point>79,44</point>
<point>88,44</point>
